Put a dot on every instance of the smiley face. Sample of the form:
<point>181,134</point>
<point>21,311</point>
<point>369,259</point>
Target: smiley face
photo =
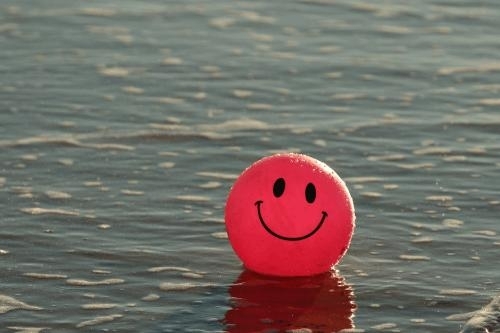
<point>278,191</point>
<point>289,215</point>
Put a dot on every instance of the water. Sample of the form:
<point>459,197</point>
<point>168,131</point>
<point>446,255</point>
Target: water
<point>124,124</point>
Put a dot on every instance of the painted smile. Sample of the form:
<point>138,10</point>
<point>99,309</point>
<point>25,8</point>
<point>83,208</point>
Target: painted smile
<point>258,203</point>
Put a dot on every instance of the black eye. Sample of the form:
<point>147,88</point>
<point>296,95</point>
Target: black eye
<point>279,187</point>
<point>310,193</point>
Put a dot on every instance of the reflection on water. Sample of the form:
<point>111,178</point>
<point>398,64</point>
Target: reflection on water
<point>321,303</point>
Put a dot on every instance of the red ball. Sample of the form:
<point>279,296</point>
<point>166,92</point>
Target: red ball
<point>289,215</point>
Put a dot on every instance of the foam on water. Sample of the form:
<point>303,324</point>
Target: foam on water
<point>99,320</point>
<point>83,282</point>
<point>183,286</point>
<point>24,329</point>
<point>218,175</point>
<point>132,192</point>
<point>45,276</point>
<point>476,68</point>
<point>8,303</point>
<point>484,320</point>
<point>195,198</point>
<point>457,292</point>
<point>413,257</point>
<point>49,211</point>
<point>150,298</point>
<point>168,268</point>
<point>57,195</point>
<point>99,306</point>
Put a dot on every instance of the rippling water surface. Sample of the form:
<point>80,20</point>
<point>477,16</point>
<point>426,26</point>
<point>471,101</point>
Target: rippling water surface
<point>124,124</point>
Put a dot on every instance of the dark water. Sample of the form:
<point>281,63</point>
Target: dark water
<point>124,124</point>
